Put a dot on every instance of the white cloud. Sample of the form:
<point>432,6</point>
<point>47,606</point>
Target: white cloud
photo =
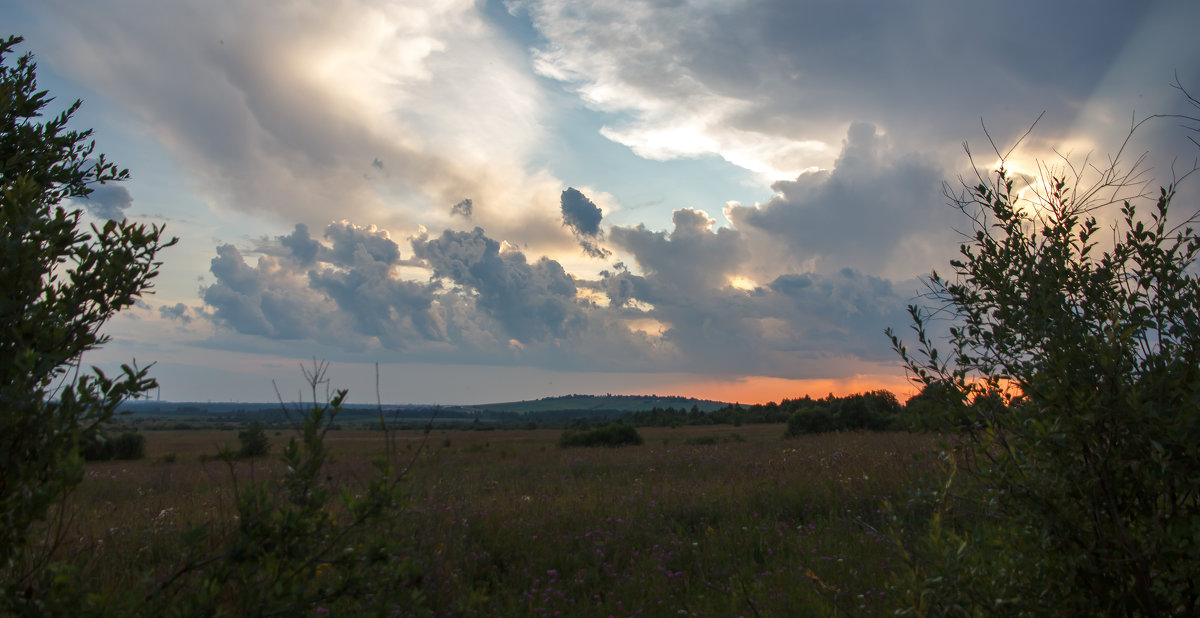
<point>389,112</point>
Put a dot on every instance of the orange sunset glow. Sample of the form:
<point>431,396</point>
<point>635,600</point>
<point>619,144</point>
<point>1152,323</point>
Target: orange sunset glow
<point>760,389</point>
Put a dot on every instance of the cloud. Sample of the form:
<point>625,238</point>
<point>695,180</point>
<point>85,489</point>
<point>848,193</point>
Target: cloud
<point>530,301</point>
<point>770,86</point>
<point>684,305</point>
<point>376,111</point>
<point>462,208</point>
<point>877,210</point>
<point>344,293</point>
<point>583,218</point>
<point>801,324</point>
<point>692,257</point>
<point>300,245</point>
<point>353,245</point>
<point>579,213</point>
<point>108,201</point>
<point>178,311</point>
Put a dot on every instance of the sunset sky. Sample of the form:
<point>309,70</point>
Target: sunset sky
<point>501,200</point>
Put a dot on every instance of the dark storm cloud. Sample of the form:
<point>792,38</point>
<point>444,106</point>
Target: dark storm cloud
<point>108,201</point>
<point>579,213</point>
<point>463,208</point>
<point>583,218</point>
<point>531,301</point>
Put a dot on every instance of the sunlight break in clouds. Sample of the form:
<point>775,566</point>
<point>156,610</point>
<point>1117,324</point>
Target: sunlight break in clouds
<point>645,77</point>
<point>376,112</point>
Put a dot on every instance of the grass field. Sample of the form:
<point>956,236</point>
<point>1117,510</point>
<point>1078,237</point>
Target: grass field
<point>715,521</point>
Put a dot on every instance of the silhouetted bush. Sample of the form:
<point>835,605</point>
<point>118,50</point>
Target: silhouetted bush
<point>254,441</point>
<point>609,435</point>
<point>128,446</point>
<point>812,420</point>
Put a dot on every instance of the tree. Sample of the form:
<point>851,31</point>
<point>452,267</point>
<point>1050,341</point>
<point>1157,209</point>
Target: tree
<point>254,442</point>
<point>60,285</point>
<point>1076,346</point>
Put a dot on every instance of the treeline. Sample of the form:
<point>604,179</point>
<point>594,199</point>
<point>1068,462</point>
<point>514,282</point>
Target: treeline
<point>876,410</point>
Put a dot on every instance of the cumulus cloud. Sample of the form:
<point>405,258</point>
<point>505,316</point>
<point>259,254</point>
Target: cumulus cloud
<point>108,201</point>
<point>877,210</point>
<point>692,284</point>
<point>530,301</point>
<point>343,293</point>
<point>693,257</point>
<point>301,246</point>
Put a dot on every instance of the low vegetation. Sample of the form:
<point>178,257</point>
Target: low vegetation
<point>615,434</point>
<point>503,523</point>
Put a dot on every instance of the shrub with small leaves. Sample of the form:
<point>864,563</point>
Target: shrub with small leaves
<point>1076,349</point>
<point>61,283</point>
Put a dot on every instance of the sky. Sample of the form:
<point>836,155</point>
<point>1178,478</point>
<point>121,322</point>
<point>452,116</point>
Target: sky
<point>500,200</point>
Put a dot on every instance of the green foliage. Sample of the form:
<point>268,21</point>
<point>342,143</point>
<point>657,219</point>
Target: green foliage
<point>876,410</point>
<point>299,543</point>
<point>253,439</point>
<point>1074,376</point>
<point>128,446</point>
<point>616,434</point>
<point>61,284</point>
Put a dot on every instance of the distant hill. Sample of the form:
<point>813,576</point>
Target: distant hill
<point>599,403</point>
<point>572,405</point>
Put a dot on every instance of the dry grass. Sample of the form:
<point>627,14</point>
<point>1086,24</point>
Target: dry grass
<point>504,522</point>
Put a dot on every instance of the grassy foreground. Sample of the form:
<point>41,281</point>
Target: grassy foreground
<point>715,521</point>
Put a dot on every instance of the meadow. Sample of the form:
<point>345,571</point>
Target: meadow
<point>698,521</point>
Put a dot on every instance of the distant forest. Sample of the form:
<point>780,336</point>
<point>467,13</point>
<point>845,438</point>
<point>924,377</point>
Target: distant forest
<point>877,410</point>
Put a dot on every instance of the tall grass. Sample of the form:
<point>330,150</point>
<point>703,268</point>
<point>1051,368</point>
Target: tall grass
<point>507,523</point>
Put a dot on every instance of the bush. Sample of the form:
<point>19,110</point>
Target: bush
<point>875,411</point>
<point>254,442</point>
<point>1076,351</point>
<point>616,434</point>
<point>811,420</point>
<point>61,285</point>
<point>127,446</point>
